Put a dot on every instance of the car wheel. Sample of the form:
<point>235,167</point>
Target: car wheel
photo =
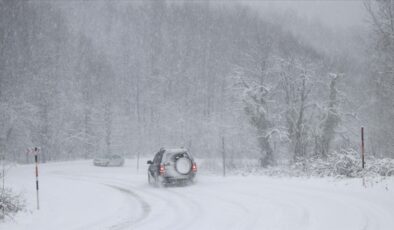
<point>151,181</point>
<point>163,182</point>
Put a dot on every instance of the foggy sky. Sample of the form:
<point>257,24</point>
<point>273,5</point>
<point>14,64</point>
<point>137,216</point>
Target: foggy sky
<point>342,13</point>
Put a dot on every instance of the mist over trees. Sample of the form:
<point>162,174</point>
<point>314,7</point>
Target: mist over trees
<point>381,75</point>
<point>92,77</point>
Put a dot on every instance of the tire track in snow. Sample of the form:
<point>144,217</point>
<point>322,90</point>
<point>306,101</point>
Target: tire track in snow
<point>162,204</point>
<point>165,197</point>
<point>302,205</point>
<point>223,201</point>
<point>146,209</point>
<point>308,197</point>
<point>194,209</point>
<point>162,200</point>
<point>248,209</point>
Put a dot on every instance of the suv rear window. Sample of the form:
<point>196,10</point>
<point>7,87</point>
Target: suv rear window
<point>175,156</point>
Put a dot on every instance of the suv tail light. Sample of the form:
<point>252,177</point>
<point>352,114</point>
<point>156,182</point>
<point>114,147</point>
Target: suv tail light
<point>162,169</point>
<point>194,167</point>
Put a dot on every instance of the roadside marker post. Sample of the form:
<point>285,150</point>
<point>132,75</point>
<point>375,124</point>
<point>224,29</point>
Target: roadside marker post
<point>362,148</point>
<point>37,188</point>
<point>363,154</point>
<point>224,157</point>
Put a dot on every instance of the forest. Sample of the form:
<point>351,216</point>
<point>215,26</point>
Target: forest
<point>83,78</point>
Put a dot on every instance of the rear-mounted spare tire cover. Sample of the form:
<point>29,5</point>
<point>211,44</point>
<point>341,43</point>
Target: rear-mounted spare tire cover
<point>183,165</point>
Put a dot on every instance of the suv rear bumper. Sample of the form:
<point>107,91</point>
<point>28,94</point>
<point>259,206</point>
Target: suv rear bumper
<point>178,180</point>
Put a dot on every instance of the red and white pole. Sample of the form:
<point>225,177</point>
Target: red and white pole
<point>36,160</point>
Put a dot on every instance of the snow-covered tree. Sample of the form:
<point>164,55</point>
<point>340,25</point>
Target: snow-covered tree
<point>256,108</point>
<point>381,14</point>
<point>329,121</point>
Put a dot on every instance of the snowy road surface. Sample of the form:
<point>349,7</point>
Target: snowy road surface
<point>77,195</point>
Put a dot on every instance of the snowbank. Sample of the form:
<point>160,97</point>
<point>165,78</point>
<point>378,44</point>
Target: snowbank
<point>346,163</point>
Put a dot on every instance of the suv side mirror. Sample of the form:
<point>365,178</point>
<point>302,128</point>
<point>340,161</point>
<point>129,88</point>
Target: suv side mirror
<point>149,162</point>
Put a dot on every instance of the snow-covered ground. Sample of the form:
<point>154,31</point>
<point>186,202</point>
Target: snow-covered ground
<point>77,195</point>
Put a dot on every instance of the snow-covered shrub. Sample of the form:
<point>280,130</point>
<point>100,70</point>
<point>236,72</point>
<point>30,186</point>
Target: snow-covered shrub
<point>10,203</point>
<point>346,163</point>
<point>383,167</point>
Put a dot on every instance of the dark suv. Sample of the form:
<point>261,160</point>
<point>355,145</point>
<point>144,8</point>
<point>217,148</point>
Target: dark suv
<point>172,166</point>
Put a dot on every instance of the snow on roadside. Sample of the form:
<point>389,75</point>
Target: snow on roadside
<point>343,164</point>
<point>75,195</point>
<point>65,203</point>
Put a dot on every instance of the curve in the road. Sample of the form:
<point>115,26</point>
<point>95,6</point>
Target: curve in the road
<point>245,205</point>
<point>146,209</point>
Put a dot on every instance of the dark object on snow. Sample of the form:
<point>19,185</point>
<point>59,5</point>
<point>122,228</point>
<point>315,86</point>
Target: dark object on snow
<point>109,160</point>
<point>172,166</point>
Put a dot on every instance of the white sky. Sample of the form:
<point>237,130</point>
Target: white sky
<point>331,12</point>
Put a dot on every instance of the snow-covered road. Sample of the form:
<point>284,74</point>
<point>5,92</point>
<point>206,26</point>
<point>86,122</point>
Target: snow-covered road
<point>77,195</point>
